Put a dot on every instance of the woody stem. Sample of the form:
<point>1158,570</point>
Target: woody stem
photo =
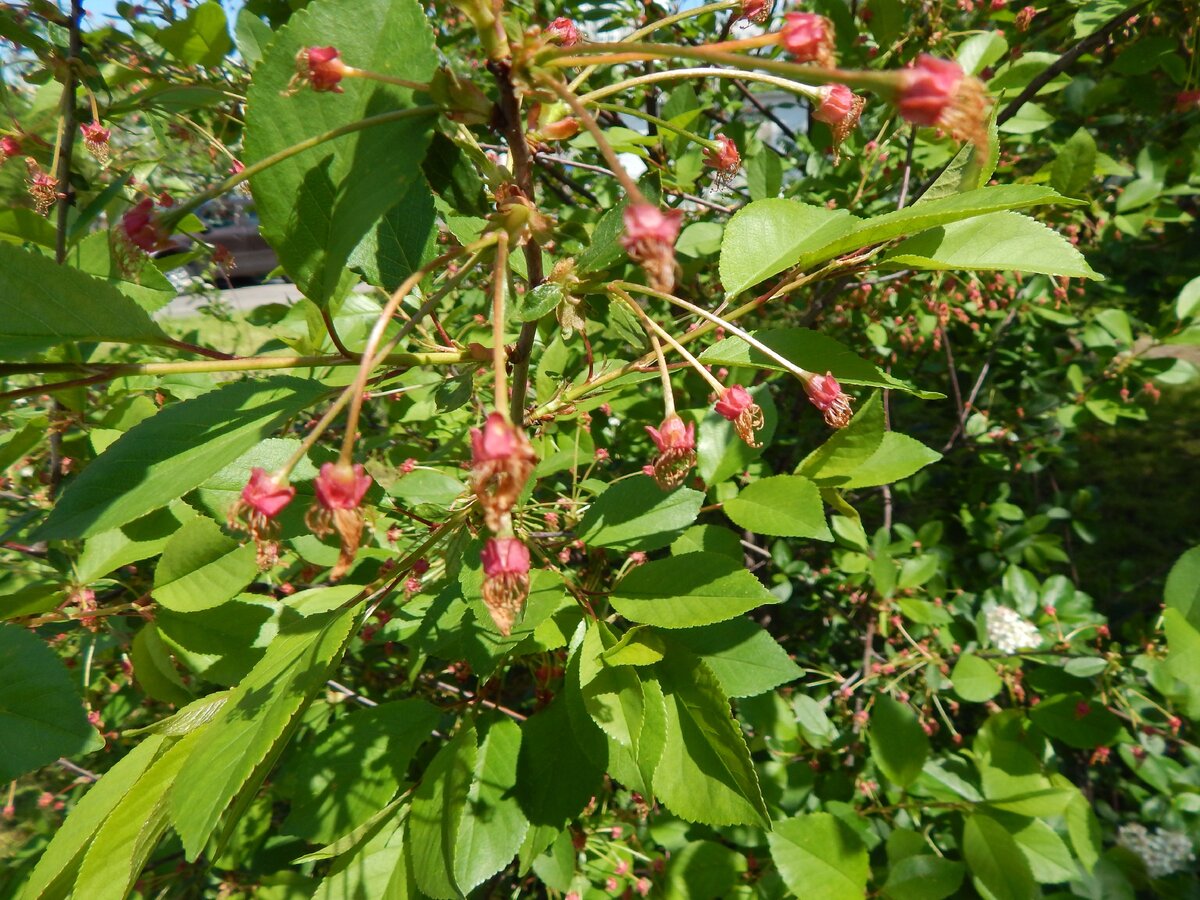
<point>675,345</point>
<point>499,354</point>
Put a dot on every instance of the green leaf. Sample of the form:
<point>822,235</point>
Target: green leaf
<point>634,515</point>
<point>612,694</point>
<point>899,746</point>
<point>742,655</point>
<point>639,646</point>
<point>810,350</point>
<point>536,302</point>
<point>1075,721</point>
<point>1049,859</point>
<point>709,539</point>
<point>319,205</point>
<point>202,39</point>
<point>1003,241</point>
<point>251,729</point>
<point>975,679</point>
<point>42,300</point>
<point>120,849</point>
<point>783,505</point>
<point>439,804</point>
<point>704,870</point>
<point>819,856</point>
<point>999,869</point>
<point>132,542</point>
<point>169,454</point>
<point>923,877</point>
<point>555,776</point>
<point>844,451</point>
<point>202,568</point>
<point>1182,590</point>
<point>1084,830</point>
<point>56,869</point>
<point>493,828</point>
<point>768,236</point>
<point>897,457</point>
<point>693,589</point>
<point>814,724</point>
<point>403,241</point>
<point>705,773</point>
<point>377,866</point>
<point>252,35</point>
<point>354,768</point>
<point>153,668</point>
<point>1076,163</point>
<point>41,713</point>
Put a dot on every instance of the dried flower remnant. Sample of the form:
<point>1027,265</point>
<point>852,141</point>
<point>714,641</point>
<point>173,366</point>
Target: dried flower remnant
<point>255,512</point>
<point>676,443</point>
<point>808,38</point>
<point>1009,631</point>
<point>649,239</point>
<point>736,405</point>
<point>505,580</point>
<point>9,147</point>
<point>937,92</point>
<point>502,459</point>
<point>43,187</point>
<point>840,109</point>
<point>563,32</point>
<point>827,395</point>
<point>724,158</point>
<point>95,139</point>
<point>340,488</point>
<point>320,68</point>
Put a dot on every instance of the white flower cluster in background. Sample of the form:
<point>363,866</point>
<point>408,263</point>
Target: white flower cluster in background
<point>1163,852</point>
<point>1009,633</point>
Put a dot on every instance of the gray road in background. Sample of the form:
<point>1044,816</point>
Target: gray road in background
<point>241,298</point>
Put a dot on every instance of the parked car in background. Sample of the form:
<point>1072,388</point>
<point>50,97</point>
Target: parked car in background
<point>230,224</point>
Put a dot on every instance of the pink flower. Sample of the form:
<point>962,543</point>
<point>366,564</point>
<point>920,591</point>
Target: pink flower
<point>262,500</point>
<point>265,495</point>
<point>1184,101</point>
<point>505,580</point>
<point>563,31</point>
<point>642,886</point>
<point>95,139</point>
<point>140,226</point>
<point>826,395</point>
<point>9,147</point>
<point>840,109</point>
<point>676,443</point>
<point>808,37</point>
<point>319,67</point>
<point>938,92</point>
<point>649,239</point>
<point>754,10</point>
<point>736,405</point>
<point>502,460</point>
<point>724,158</point>
<point>340,488</point>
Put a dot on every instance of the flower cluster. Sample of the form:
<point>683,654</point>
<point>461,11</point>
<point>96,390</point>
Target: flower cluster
<point>1163,852</point>
<point>1009,632</point>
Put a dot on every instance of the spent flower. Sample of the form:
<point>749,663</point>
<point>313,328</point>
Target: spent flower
<point>502,459</point>
<point>676,443</point>
<point>320,68</point>
<point>937,92</point>
<point>736,405</point>
<point>256,510</point>
<point>9,147</point>
<point>724,158</point>
<point>95,139</point>
<point>563,32</point>
<point>827,395</point>
<point>840,109</point>
<point>340,488</point>
<point>505,580</point>
<point>808,37</point>
<point>649,239</point>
